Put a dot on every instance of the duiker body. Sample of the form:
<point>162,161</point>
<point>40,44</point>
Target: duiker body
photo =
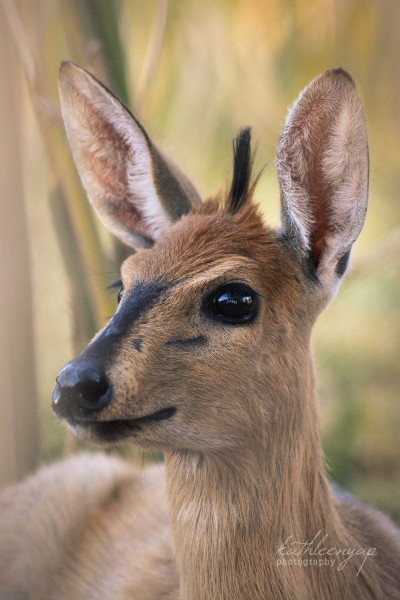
<point>207,359</point>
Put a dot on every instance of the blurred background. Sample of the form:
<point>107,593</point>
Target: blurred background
<point>194,72</point>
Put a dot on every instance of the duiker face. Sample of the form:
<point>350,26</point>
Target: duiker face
<point>183,358</point>
<point>214,307</point>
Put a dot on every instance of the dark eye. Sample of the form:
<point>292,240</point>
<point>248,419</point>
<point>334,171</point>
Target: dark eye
<point>120,294</point>
<point>234,303</point>
<point>117,285</point>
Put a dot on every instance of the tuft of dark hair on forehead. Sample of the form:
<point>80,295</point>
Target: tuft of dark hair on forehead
<point>241,189</point>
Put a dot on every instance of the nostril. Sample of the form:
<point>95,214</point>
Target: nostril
<point>80,387</point>
<point>92,390</point>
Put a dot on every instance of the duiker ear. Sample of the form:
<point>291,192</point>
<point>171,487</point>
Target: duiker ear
<point>323,173</point>
<point>137,192</point>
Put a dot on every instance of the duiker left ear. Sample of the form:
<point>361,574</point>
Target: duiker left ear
<point>323,173</point>
<point>136,191</point>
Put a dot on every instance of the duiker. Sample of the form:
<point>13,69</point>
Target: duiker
<point>207,359</point>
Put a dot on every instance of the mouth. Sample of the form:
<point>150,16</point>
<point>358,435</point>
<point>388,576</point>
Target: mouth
<point>118,430</point>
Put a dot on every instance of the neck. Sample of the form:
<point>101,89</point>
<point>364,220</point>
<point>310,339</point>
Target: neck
<point>232,513</point>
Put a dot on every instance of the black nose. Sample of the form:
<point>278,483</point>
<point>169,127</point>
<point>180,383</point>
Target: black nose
<point>80,390</point>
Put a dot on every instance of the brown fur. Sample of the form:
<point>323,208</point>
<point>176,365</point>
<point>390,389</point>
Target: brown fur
<point>244,468</point>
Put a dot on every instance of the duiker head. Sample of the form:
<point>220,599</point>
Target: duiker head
<point>209,338</point>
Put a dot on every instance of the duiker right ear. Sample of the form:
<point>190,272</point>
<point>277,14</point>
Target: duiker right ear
<point>136,191</point>
<point>323,173</point>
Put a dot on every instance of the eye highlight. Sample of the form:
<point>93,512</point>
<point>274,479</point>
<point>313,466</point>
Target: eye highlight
<point>234,303</point>
<point>120,294</point>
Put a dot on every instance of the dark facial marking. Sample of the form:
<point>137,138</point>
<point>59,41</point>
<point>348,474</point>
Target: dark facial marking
<point>187,343</point>
<point>138,301</point>
<point>135,304</point>
<point>138,343</point>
